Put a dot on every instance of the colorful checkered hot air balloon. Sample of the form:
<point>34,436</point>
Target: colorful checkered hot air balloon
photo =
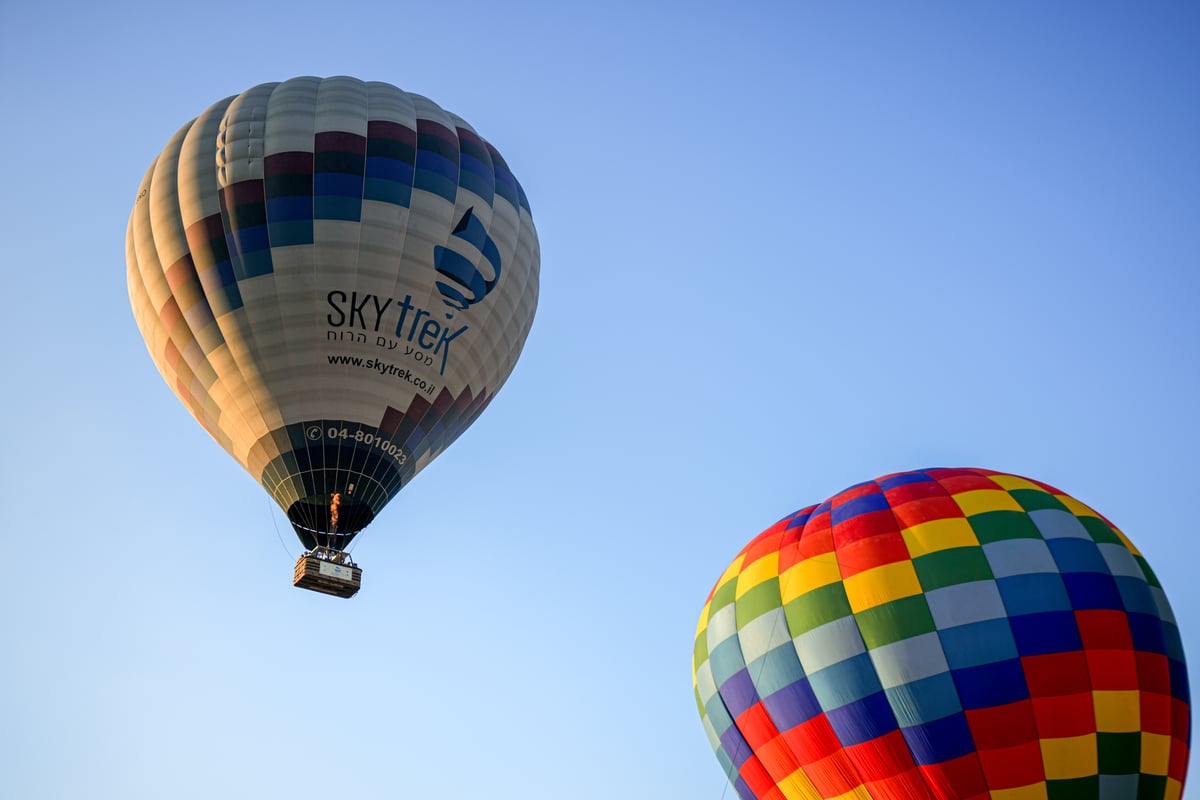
<point>335,277</point>
<point>944,633</point>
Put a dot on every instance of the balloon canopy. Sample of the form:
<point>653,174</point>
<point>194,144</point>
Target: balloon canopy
<point>335,277</point>
<point>944,633</point>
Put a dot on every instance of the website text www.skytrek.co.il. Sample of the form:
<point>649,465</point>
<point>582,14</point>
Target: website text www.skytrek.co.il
<point>385,368</point>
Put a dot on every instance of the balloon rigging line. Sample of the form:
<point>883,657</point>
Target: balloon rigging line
<point>278,535</point>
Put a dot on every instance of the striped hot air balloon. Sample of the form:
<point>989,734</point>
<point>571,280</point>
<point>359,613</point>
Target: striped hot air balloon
<point>944,633</point>
<point>335,277</point>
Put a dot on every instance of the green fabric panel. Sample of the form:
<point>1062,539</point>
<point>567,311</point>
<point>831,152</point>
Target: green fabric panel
<point>891,622</point>
<point>1152,787</point>
<point>758,601</point>
<point>948,567</point>
<point>700,651</point>
<point>722,597</point>
<point>1034,499</point>
<point>1074,789</point>
<point>994,526</point>
<point>814,609</point>
<point>1100,531</point>
<point>1151,578</point>
<point>1119,753</point>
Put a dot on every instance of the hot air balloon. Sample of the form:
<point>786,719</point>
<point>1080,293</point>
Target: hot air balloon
<point>944,633</point>
<point>335,277</point>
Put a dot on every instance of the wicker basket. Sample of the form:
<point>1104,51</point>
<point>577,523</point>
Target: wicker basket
<point>327,577</point>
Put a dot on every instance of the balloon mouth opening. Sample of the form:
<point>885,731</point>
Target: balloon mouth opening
<point>315,523</point>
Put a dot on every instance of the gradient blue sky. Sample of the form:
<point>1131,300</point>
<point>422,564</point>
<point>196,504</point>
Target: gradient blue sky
<point>785,247</point>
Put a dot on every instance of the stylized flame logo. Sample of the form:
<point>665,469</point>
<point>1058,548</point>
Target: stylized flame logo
<point>469,245</point>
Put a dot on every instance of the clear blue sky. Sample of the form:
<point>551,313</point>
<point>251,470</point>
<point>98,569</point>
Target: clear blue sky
<point>785,247</point>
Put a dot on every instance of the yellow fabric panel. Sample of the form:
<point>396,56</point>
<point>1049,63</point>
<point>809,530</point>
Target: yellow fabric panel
<point>880,585</point>
<point>1156,753</point>
<point>1011,482</point>
<point>762,570</point>
<point>703,622</point>
<point>797,786</point>
<point>1075,507</point>
<point>979,501</point>
<point>1070,757</point>
<point>1117,711</point>
<point>939,534</point>
<point>731,571</point>
<point>730,574</point>
<point>1035,791</point>
<point>811,573</point>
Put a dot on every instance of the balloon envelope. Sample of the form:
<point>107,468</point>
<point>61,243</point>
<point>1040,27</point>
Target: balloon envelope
<point>943,633</point>
<point>335,277</point>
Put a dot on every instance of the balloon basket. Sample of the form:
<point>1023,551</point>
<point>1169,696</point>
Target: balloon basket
<point>327,571</point>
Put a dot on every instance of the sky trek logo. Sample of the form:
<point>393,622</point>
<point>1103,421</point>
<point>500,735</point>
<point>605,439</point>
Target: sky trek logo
<point>469,244</point>
<point>464,285</point>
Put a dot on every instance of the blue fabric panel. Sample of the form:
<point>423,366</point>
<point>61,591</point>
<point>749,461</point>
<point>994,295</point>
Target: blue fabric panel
<point>506,187</point>
<point>1173,640</point>
<point>859,505</point>
<point>1044,633</point>
<point>990,685</point>
<point>337,184</point>
<point>1029,594</point>
<point>257,263</point>
<point>248,240</point>
<point>940,740</point>
<point>1009,557</point>
<point>983,642</point>
<point>220,287</point>
<point>476,178</point>
<point>334,207</point>
<point>717,713</point>
<point>743,789</point>
<point>799,519</point>
<point>1078,555</point>
<point>385,191</point>
<point>524,199</point>
<point>1179,681</point>
<point>285,234</point>
<point>437,174</point>
<point>1136,595</point>
<point>726,660</point>
<point>287,209</point>
<point>904,478</point>
<point>925,700</point>
<point>777,669</point>
<point>845,682</point>
<point>1056,523</point>
<point>735,745</point>
<point>862,720</point>
<point>792,705</point>
<point>1147,633</point>
<point>390,169</point>
<point>1089,590</point>
<point>739,693</point>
